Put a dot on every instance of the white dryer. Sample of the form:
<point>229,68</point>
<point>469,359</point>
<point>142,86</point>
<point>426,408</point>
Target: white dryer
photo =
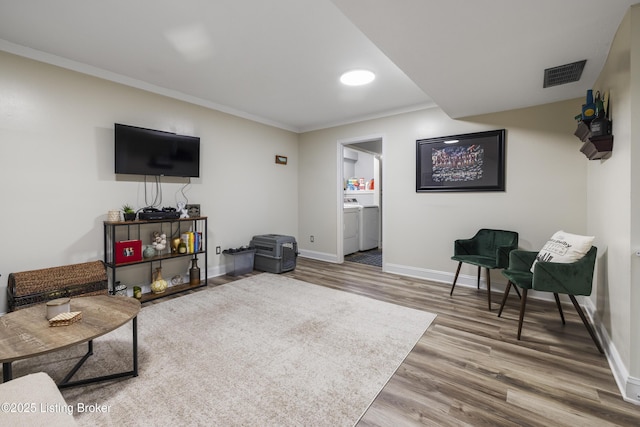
<point>351,228</point>
<point>369,235</point>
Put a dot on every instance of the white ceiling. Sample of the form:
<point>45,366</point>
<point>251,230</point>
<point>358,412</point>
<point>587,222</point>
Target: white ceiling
<point>278,61</point>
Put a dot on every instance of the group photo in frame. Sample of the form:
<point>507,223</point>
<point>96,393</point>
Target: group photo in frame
<point>467,162</point>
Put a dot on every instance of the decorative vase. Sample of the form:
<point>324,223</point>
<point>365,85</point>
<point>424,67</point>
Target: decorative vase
<point>194,273</point>
<point>159,285</point>
<point>174,245</point>
<point>159,241</point>
<point>148,251</point>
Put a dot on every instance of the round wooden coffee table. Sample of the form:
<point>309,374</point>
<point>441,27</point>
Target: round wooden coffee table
<point>26,333</point>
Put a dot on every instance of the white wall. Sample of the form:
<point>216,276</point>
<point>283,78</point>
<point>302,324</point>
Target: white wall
<point>545,180</point>
<point>633,389</point>
<point>614,207</point>
<point>56,167</point>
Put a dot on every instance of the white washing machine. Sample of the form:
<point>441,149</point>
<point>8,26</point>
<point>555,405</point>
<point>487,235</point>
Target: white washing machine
<point>351,229</point>
<point>369,233</point>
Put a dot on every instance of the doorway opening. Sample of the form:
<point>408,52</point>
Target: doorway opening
<point>360,200</point>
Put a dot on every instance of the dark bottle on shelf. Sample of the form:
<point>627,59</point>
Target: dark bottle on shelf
<point>599,125</point>
<point>194,272</point>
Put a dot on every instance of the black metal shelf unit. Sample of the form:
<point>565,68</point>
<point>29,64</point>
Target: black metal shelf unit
<point>117,231</point>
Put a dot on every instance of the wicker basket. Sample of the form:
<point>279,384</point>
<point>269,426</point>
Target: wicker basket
<point>37,286</point>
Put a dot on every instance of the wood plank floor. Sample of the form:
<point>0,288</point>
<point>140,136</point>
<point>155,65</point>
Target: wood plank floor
<point>469,369</point>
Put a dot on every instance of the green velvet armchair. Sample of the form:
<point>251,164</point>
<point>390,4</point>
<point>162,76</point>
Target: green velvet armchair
<point>488,249</point>
<point>572,279</point>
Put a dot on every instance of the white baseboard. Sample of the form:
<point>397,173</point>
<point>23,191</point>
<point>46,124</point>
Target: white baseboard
<point>629,386</point>
<point>464,280</point>
<point>320,256</point>
<point>216,271</point>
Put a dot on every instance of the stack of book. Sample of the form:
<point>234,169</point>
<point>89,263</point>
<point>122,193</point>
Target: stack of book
<point>193,241</point>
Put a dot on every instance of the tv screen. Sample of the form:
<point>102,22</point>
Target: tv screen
<point>140,151</point>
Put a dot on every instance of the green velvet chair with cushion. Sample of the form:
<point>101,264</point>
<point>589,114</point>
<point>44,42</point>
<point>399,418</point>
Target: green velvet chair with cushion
<point>488,249</point>
<point>572,278</point>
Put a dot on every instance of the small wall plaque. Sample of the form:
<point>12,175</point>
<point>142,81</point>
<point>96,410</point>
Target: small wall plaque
<point>281,160</point>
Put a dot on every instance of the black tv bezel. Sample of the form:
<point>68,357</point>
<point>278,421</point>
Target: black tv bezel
<point>147,134</point>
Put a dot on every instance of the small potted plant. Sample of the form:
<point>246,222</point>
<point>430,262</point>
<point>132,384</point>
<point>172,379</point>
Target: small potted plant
<point>129,213</point>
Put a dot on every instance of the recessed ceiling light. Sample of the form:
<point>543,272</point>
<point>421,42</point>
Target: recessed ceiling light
<point>357,77</point>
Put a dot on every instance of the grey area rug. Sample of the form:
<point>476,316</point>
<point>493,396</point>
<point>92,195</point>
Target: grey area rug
<point>262,351</point>
<point>370,257</point>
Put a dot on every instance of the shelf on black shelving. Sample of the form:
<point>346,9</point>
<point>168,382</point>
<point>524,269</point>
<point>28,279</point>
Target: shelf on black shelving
<point>150,221</point>
<point>171,290</point>
<point>155,258</point>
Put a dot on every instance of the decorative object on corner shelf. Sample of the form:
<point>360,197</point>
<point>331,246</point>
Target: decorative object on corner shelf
<point>129,213</point>
<point>137,292</point>
<point>158,285</point>
<point>588,108</point>
<point>595,132</point>
<point>599,125</point>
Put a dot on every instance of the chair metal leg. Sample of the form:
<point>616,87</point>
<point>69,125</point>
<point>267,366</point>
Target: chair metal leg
<point>455,279</point>
<point>523,304</point>
<point>478,281</point>
<point>504,299</point>
<point>489,287</point>
<point>555,295</point>
<point>586,323</point>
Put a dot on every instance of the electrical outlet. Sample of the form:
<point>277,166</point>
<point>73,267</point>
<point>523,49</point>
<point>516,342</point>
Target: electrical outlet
<point>311,238</point>
<point>217,250</point>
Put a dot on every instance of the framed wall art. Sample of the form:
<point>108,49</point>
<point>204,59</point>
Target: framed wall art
<point>468,162</point>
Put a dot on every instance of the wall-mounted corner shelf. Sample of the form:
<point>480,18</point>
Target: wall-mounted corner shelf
<point>594,147</point>
<point>598,147</point>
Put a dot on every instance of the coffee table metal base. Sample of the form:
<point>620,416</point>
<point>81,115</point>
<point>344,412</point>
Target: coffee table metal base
<point>7,371</point>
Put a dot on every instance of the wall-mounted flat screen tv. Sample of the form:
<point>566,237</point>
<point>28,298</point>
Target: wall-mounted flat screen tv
<point>140,151</point>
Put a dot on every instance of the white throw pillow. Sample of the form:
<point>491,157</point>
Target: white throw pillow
<point>564,247</point>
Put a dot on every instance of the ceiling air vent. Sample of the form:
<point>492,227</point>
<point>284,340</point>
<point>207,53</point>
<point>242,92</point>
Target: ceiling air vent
<point>563,74</point>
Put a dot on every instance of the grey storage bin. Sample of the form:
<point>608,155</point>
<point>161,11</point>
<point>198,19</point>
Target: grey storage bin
<point>239,262</point>
<point>275,253</point>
